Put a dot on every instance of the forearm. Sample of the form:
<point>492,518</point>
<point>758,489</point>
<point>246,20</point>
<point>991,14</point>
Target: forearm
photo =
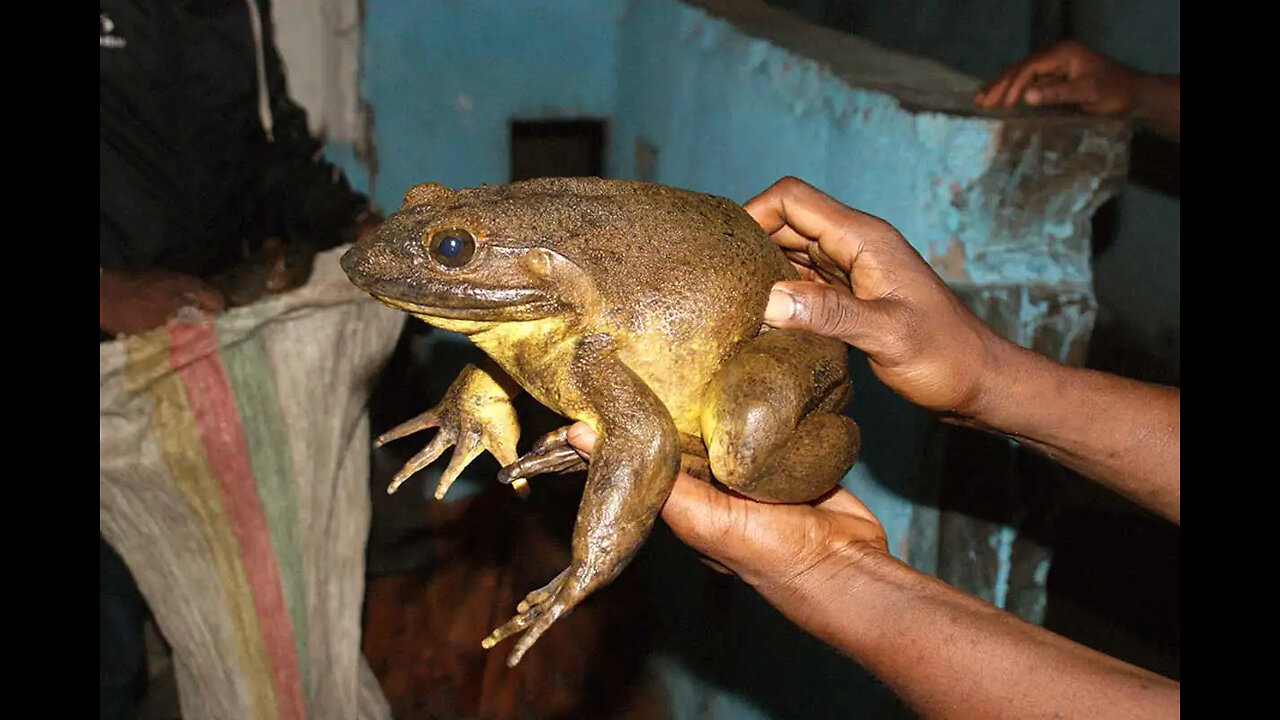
<point>1157,104</point>
<point>1122,433</point>
<point>949,655</point>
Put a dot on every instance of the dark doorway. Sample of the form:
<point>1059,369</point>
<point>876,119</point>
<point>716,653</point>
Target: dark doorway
<point>557,148</point>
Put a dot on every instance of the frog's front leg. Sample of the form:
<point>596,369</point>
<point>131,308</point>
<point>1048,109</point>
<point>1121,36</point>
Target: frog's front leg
<point>771,418</point>
<point>550,453</point>
<point>475,415</point>
<point>632,470</point>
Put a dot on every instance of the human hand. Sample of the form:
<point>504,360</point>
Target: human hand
<point>1068,73</point>
<point>864,284</point>
<point>772,547</point>
<point>134,302</point>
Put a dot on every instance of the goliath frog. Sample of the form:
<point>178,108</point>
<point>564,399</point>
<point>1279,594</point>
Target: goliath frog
<point>635,308</point>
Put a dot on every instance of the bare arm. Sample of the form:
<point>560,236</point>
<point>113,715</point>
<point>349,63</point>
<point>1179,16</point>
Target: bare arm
<point>134,302</point>
<point>949,655</point>
<point>1158,104</point>
<point>1122,433</point>
<point>826,566</point>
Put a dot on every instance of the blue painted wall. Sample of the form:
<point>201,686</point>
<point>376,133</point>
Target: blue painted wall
<point>444,79</point>
<point>1137,274</point>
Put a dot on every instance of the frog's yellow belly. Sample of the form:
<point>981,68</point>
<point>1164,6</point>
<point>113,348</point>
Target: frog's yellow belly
<point>677,375</point>
<point>538,355</point>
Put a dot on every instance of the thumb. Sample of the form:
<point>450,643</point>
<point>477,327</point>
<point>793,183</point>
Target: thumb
<point>582,438</point>
<point>823,310</point>
<point>708,520</point>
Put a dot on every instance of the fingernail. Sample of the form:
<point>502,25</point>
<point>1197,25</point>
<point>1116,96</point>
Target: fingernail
<point>780,308</point>
<point>1033,97</point>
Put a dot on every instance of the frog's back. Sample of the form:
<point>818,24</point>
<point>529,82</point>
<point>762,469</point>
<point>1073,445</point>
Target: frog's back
<point>684,276</point>
<point>664,258</point>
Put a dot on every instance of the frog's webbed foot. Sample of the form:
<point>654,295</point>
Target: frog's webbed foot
<point>468,446</point>
<point>475,415</point>
<point>550,454</point>
<point>540,609</point>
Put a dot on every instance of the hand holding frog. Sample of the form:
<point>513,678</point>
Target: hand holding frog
<point>864,284</point>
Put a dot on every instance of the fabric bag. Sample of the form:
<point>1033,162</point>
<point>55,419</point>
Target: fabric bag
<point>234,483</point>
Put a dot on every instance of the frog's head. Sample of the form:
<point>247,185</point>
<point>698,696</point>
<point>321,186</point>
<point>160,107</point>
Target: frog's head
<point>464,259</point>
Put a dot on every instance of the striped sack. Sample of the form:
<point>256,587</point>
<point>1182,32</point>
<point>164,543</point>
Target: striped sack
<point>234,482</point>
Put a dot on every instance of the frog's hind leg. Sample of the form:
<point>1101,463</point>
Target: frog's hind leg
<point>771,418</point>
<point>631,472</point>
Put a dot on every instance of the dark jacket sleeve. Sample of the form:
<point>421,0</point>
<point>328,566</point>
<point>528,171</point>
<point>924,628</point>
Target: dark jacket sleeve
<point>307,198</point>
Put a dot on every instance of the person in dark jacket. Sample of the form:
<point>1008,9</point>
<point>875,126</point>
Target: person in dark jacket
<point>203,158</point>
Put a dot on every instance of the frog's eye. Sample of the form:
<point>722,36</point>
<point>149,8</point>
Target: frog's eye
<point>452,248</point>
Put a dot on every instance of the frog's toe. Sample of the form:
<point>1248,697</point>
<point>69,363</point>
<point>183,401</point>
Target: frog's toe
<point>558,438</point>
<point>426,420</point>
<point>551,453</point>
<point>538,611</point>
<point>527,612</point>
<point>467,449</point>
<point>542,594</point>
<point>425,457</point>
<point>511,627</point>
<point>550,613</point>
<point>530,464</point>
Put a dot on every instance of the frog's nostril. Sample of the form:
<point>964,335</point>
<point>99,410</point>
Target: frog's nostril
<point>353,260</point>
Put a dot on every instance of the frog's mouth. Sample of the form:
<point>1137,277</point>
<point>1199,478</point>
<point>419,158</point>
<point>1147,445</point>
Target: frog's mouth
<point>493,305</point>
<point>464,299</point>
